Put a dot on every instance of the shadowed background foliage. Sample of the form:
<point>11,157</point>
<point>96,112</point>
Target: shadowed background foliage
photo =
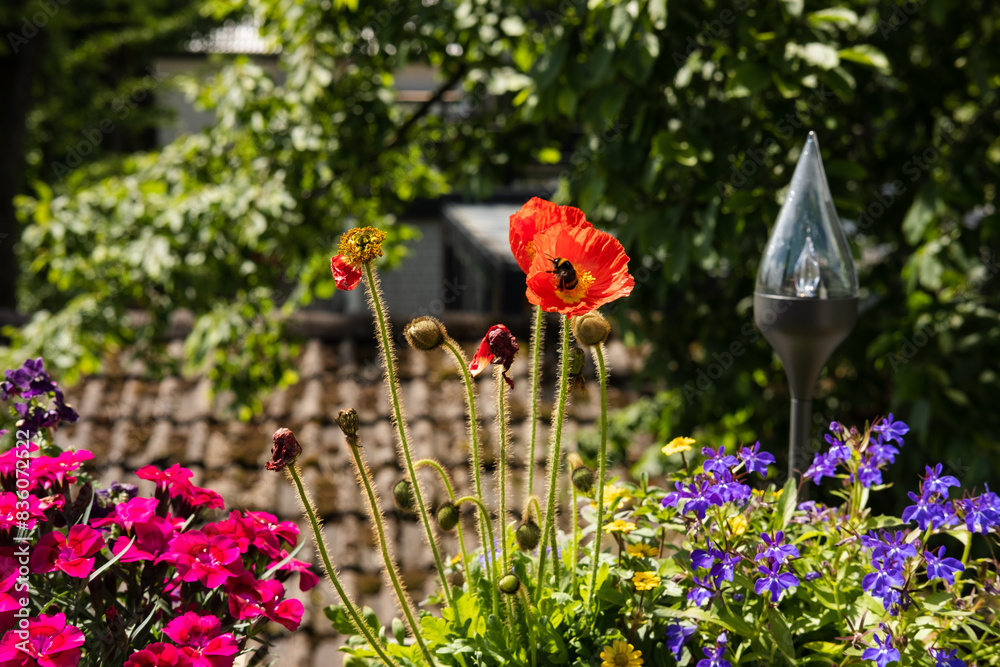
<point>675,125</point>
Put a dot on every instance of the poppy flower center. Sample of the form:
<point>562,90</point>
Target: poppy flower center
<point>584,279</point>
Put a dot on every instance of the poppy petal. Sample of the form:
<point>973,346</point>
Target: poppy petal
<point>481,359</point>
<point>536,216</point>
<point>345,275</point>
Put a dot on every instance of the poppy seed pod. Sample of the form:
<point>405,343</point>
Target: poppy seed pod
<point>583,479</point>
<point>402,491</point>
<point>528,535</point>
<point>591,329</point>
<point>509,584</point>
<point>425,333</point>
<point>447,516</point>
<point>348,422</point>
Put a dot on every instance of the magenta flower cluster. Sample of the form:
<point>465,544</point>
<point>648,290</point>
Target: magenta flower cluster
<point>157,584</point>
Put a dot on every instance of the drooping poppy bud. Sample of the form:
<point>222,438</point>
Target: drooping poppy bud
<point>448,516</point>
<point>591,329</point>
<point>424,333</point>
<point>509,584</point>
<point>498,347</point>
<point>402,491</point>
<point>583,479</point>
<point>284,449</point>
<point>348,422</point>
<point>528,535</point>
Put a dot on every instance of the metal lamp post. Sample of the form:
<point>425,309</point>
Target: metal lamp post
<point>806,297</point>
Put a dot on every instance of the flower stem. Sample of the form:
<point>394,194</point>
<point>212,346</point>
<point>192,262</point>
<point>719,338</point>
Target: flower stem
<point>431,463</point>
<point>385,343</point>
<point>535,350</point>
<point>331,572</point>
<point>602,376</point>
<point>364,474</point>
<point>573,550</point>
<point>555,450</point>
<point>470,404</point>
<point>502,442</point>
<point>490,563</point>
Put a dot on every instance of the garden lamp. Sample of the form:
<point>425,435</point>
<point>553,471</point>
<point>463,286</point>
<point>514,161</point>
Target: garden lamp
<point>806,298</point>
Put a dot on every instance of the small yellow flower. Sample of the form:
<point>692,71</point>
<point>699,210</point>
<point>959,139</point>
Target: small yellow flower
<point>361,245</point>
<point>737,524</point>
<point>613,492</point>
<point>642,550</point>
<point>678,445</point>
<point>645,581</point>
<point>620,654</point>
<point>456,560</point>
<point>619,526</point>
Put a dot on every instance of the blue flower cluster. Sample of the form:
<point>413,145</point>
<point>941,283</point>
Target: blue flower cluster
<point>34,388</point>
<point>933,509</point>
<point>873,454</point>
<point>721,482</point>
<point>774,555</point>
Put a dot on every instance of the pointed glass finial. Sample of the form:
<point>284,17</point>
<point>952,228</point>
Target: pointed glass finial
<point>807,271</point>
<point>807,255</point>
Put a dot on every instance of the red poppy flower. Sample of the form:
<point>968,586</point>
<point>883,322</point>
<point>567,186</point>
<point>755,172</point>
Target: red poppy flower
<point>357,247</point>
<point>576,270</point>
<point>534,217</point>
<point>498,347</point>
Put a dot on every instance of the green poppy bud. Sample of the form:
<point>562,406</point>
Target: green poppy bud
<point>424,333</point>
<point>528,535</point>
<point>591,329</point>
<point>402,491</point>
<point>583,479</point>
<point>509,584</point>
<point>576,358</point>
<point>447,516</point>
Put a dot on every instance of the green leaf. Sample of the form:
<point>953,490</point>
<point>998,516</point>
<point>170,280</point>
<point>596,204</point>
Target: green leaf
<point>866,54</point>
<point>843,17</point>
<point>782,635</point>
<point>794,7</point>
<point>340,620</point>
<point>748,80</point>
<point>787,503</point>
<point>920,214</point>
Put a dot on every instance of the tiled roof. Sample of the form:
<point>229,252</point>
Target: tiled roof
<point>129,421</point>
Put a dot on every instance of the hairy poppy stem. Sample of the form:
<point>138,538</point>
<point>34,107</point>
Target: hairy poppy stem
<point>375,512</point>
<point>555,451</point>
<point>535,351</point>
<point>502,417</point>
<point>602,375</point>
<point>392,384</point>
<point>490,563</point>
<point>443,474</point>
<point>331,572</point>
<point>470,404</point>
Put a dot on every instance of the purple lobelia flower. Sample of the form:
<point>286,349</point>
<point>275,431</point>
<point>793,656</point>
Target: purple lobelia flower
<point>889,547</point>
<point>883,581</point>
<point>775,550</point>
<point>677,636</point>
<point>927,512</point>
<point>822,466</point>
<point>882,451</point>
<point>756,460</point>
<point>713,655</point>
<point>939,567</point>
<point>717,461</point>
<point>934,482</point>
<point>945,658</point>
<point>701,592</point>
<point>882,653</point>
<point>726,569</point>
<point>838,452</point>
<point>980,515</point>
<point>891,430</point>
<point>705,558</point>
<point>728,490</point>
<point>774,580</point>
<point>869,471</point>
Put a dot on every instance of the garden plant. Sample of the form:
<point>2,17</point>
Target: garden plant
<point>98,576</point>
<point>714,566</point>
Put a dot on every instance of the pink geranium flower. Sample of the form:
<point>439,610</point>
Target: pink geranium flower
<point>71,553</point>
<point>129,513</point>
<point>9,512</point>
<point>51,642</point>
<point>159,655</point>
<point>8,578</point>
<point>49,471</point>
<point>199,557</point>
<point>198,638</point>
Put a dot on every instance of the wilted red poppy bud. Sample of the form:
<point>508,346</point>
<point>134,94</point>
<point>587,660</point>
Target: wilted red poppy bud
<point>284,450</point>
<point>498,347</point>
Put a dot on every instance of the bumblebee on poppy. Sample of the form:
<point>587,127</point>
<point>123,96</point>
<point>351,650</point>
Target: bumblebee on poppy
<point>564,270</point>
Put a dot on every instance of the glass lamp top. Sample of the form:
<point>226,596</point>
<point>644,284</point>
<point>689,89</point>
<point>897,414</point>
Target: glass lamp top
<point>807,255</point>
